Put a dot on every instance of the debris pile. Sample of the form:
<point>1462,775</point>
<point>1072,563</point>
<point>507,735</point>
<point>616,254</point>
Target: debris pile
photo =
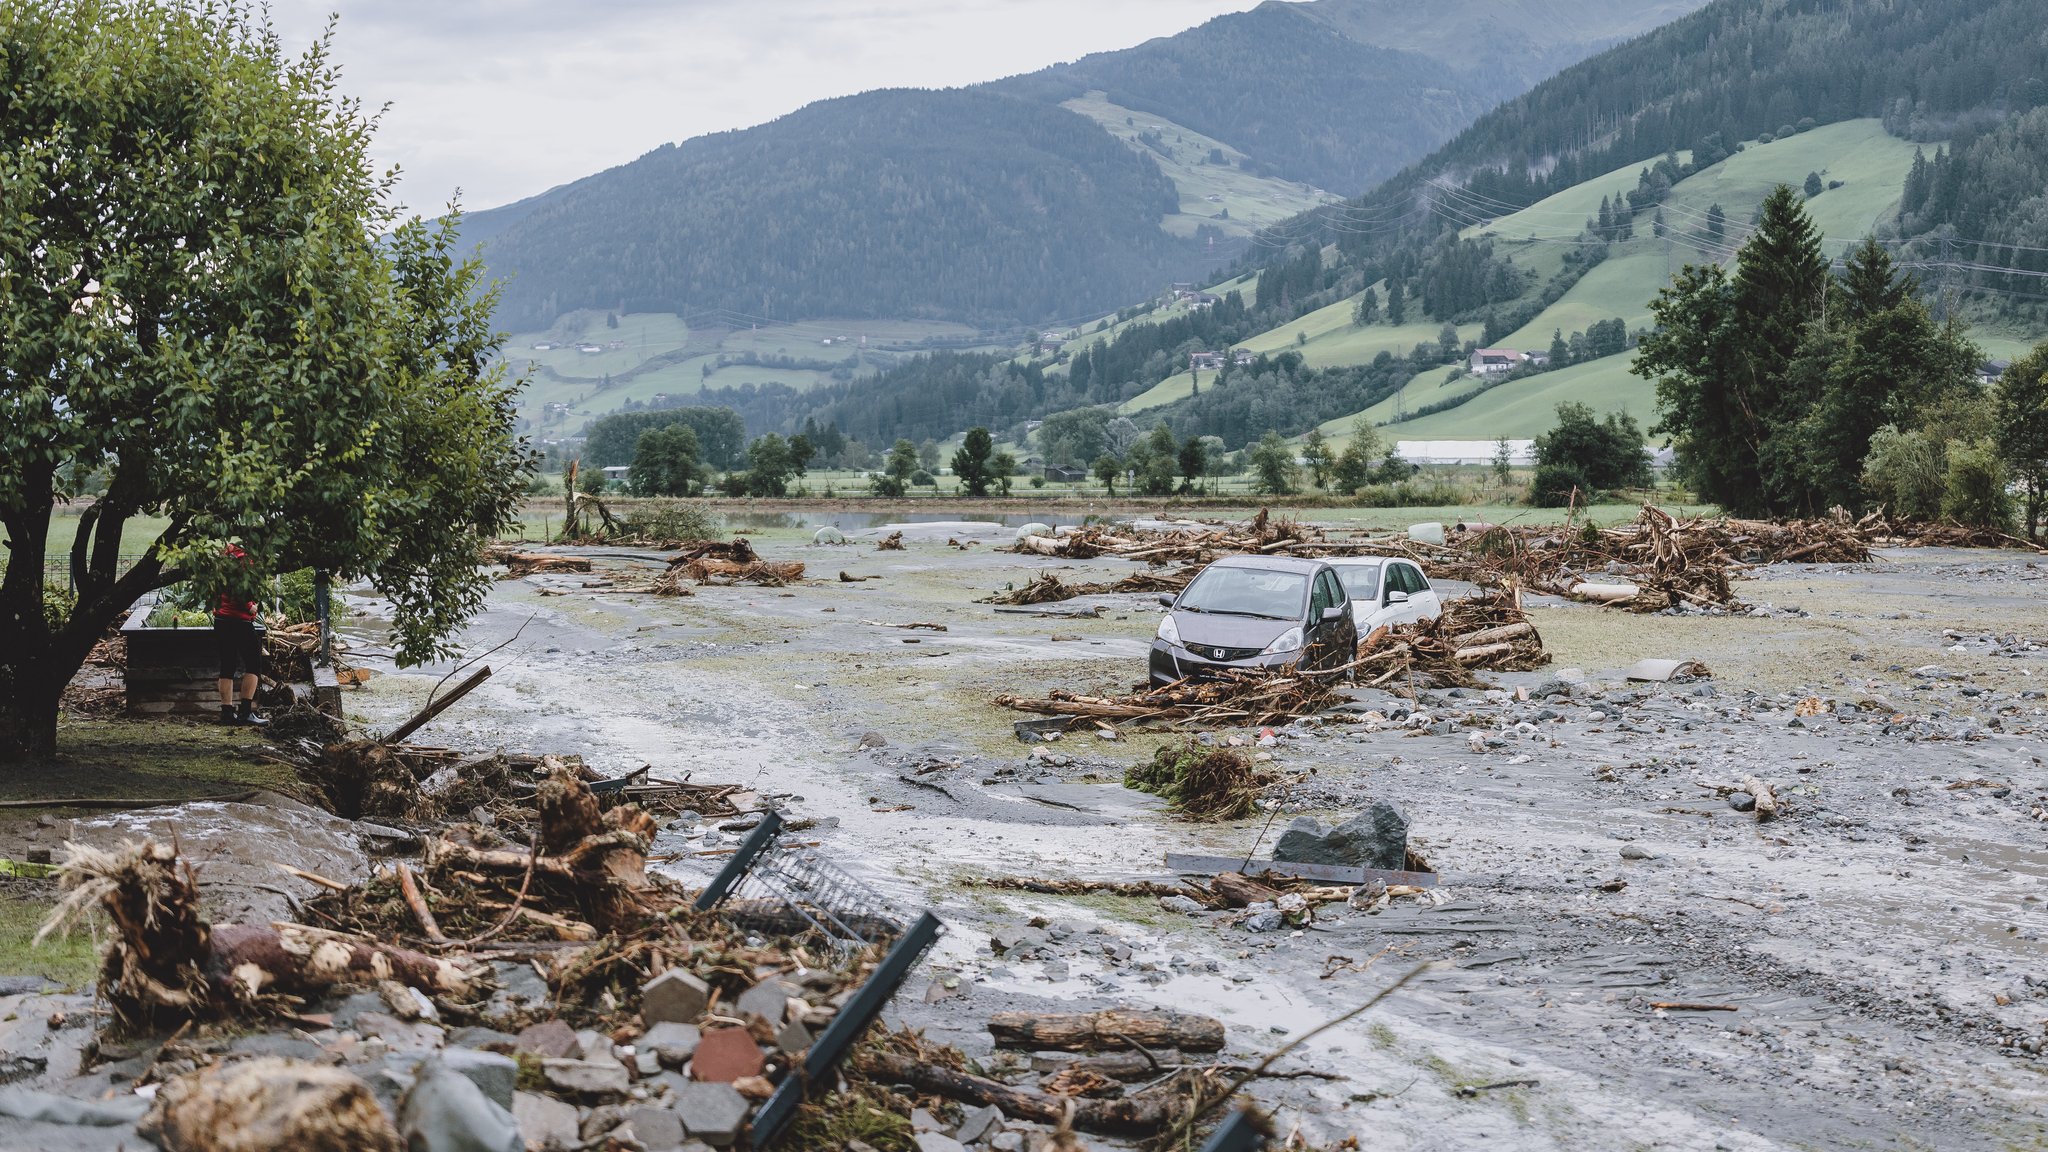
<point>1049,588</point>
<point>1654,563</point>
<point>710,570</point>
<point>1488,631</point>
<point>1231,699</point>
<point>1262,534</point>
<point>1201,782</point>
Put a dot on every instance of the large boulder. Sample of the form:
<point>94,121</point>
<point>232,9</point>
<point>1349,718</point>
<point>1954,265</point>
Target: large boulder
<point>1375,838</point>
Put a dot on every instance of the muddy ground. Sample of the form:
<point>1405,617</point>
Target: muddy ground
<point>1880,942</point>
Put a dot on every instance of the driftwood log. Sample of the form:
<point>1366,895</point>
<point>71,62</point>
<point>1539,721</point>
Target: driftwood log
<point>1238,890</point>
<point>1107,1030</point>
<point>167,965</point>
<point>1137,1115</point>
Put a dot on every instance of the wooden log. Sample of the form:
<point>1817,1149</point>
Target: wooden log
<point>1766,800</point>
<point>410,889</point>
<point>1238,890</point>
<point>437,707</point>
<point>1138,1115</point>
<point>1493,635</point>
<point>1130,1065</point>
<point>1482,652</point>
<point>250,959</point>
<point>1106,1030</point>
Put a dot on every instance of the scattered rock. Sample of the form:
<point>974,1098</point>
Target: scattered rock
<point>673,1043</point>
<point>402,1036</point>
<point>550,1040</point>
<point>656,1129</point>
<point>1634,852</point>
<point>548,1124</point>
<point>767,1000</point>
<point>938,1142</point>
<point>977,1124</point>
<point>675,995</point>
<point>586,1077</point>
<point>1741,801</point>
<point>712,1113</point>
<point>873,740</point>
<point>1185,905</point>
<point>494,1074</point>
<point>1376,838</point>
<point>447,1111</point>
<point>725,1055</point>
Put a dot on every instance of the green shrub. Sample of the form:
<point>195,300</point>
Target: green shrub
<point>671,520</point>
<point>1976,486</point>
<point>295,598</point>
<point>1553,484</point>
<point>1906,471</point>
<point>1201,782</point>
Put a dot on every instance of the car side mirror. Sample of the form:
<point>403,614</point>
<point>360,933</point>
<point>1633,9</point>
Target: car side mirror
<point>1397,597</point>
<point>1166,598</point>
<point>1330,614</point>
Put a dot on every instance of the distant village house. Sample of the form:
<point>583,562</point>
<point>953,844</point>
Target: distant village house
<point>1494,361</point>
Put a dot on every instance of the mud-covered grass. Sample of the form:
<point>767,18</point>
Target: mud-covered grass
<point>68,958</point>
<point>150,759</point>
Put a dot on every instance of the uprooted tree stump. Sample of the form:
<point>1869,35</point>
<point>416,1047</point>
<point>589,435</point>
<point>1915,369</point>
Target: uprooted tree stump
<point>269,1103</point>
<point>166,964</point>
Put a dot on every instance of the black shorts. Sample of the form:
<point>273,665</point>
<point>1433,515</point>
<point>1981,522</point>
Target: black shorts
<point>238,647</point>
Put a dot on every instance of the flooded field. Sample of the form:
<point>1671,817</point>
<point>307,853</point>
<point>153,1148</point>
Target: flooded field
<point>1864,971</point>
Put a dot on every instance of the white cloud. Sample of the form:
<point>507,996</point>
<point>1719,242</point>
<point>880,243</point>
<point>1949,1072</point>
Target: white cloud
<point>506,98</point>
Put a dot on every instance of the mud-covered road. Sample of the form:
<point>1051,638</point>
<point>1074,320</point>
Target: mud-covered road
<point>1879,942</point>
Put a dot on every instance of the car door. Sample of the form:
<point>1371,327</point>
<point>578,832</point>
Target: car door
<point>1405,610</point>
<point>1314,643</point>
<point>1422,596</point>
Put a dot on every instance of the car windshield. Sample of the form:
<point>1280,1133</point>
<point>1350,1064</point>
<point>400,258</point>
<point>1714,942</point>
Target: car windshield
<point>1361,581</point>
<point>1246,592</point>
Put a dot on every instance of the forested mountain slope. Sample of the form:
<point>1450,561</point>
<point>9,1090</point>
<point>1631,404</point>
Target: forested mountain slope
<point>995,205</point>
<point>896,203</point>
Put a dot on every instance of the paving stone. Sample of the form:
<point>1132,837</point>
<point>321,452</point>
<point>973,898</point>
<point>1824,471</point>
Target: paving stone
<point>549,1039</point>
<point>768,1000</point>
<point>793,1038</point>
<point>676,996</point>
<point>712,1113</point>
<point>938,1142</point>
<point>548,1124</point>
<point>587,1077</point>
<point>923,1121</point>
<point>674,1043</point>
<point>657,1129</point>
<point>726,1055</point>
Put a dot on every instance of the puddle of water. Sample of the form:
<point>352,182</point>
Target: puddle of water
<point>862,521</point>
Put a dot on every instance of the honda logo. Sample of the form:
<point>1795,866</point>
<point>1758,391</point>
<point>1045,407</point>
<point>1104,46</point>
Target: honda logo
<point>1219,653</point>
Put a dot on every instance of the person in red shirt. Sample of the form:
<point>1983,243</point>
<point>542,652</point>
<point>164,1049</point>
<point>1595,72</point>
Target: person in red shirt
<point>234,628</point>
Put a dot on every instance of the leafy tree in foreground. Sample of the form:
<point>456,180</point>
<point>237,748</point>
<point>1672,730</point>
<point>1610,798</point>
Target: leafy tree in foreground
<point>971,461</point>
<point>1194,463</point>
<point>665,462</point>
<point>2022,416</point>
<point>1315,452</point>
<point>196,301</point>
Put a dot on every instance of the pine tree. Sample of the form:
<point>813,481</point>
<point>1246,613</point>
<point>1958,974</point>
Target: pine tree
<point>1717,222</point>
<point>1918,184</point>
<point>1560,352</point>
<point>1778,280</point>
<point>1872,284</point>
<point>1397,307</point>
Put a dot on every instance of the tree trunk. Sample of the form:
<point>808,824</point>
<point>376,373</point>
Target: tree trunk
<point>28,709</point>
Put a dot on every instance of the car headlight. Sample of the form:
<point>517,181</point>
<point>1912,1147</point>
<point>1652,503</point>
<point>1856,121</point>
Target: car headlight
<point>1168,630</point>
<point>1288,641</point>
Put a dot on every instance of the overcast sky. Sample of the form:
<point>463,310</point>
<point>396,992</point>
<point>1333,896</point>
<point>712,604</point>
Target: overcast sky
<point>506,98</point>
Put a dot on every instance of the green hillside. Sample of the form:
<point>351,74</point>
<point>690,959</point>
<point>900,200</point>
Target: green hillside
<point>1225,195</point>
<point>651,358</point>
<point>1870,164</point>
